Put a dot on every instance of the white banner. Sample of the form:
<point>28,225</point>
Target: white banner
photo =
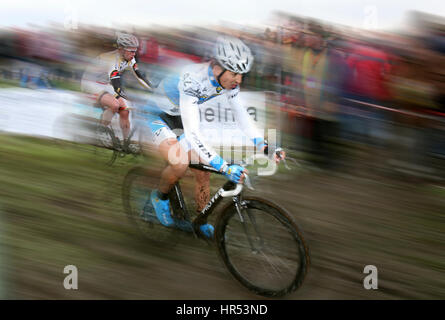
<point>48,113</point>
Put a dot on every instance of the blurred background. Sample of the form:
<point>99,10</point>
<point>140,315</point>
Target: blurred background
<point>356,94</point>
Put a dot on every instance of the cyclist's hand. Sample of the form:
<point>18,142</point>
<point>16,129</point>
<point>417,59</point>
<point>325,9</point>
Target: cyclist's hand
<point>279,155</point>
<point>235,173</point>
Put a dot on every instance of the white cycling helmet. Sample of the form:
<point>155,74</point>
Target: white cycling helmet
<point>126,40</point>
<point>232,54</point>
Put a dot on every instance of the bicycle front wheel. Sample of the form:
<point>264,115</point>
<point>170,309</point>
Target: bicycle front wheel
<point>106,145</point>
<point>262,247</point>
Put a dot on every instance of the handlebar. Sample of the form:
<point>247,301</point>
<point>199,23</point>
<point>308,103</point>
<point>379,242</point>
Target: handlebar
<point>270,170</point>
<point>232,193</point>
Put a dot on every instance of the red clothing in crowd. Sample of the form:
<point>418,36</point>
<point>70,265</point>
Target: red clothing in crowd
<point>148,50</point>
<point>369,68</point>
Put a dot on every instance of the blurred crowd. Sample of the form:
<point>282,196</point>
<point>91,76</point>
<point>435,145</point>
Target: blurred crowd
<point>329,83</point>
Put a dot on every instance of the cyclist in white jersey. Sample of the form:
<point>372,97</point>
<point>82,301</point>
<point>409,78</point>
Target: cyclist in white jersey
<point>102,80</point>
<point>178,100</point>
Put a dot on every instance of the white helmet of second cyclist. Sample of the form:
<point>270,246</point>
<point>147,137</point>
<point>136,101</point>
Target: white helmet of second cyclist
<point>233,55</point>
<point>126,40</point>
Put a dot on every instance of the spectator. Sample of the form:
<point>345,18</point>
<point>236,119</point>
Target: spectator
<point>319,97</point>
<point>368,82</point>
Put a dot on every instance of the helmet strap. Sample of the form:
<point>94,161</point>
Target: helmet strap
<point>219,76</point>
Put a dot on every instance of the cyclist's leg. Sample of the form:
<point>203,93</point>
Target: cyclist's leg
<point>202,188</point>
<point>202,194</point>
<point>178,162</point>
<point>178,153</point>
<point>161,140</point>
<point>202,178</point>
<point>111,106</point>
<point>124,119</point>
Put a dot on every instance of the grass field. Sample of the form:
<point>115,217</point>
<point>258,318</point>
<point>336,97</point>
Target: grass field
<point>60,205</point>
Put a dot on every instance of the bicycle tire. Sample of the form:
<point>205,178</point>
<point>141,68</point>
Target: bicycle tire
<point>106,145</point>
<point>232,243</point>
<point>137,187</point>
<point>105,137</point>
<point>132,148</point>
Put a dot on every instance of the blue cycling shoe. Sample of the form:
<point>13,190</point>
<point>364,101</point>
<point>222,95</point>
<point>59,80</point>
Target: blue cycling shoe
<point>162,209</point>
<point>207,230</point>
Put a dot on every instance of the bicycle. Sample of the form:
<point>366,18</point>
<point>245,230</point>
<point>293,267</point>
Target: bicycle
<point>107,139</point>
<point>258,241</point>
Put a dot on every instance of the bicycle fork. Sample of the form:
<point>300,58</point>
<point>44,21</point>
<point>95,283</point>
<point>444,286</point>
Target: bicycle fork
<point>241,206</point>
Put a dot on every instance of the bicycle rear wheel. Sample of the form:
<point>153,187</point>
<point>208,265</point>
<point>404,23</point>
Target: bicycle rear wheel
<point>262,247</point>
<point>137,187</point>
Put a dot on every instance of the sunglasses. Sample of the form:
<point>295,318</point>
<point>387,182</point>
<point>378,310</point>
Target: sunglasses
<point>130,50</point>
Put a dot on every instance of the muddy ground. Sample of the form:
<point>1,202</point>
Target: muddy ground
<point>61,206</point>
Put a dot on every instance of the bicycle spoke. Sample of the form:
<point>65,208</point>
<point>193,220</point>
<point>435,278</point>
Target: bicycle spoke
<point>252,219</point>
<point>244,224</point>
<point>271,264</point>
<point>279,260</point>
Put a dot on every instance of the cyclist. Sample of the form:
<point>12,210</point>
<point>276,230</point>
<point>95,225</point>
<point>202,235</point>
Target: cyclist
<point>179,100</point>
<point>102,80</point>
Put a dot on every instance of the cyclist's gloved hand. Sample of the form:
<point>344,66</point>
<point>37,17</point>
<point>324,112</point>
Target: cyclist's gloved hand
<point>279,154</point>
<point>233,173</point>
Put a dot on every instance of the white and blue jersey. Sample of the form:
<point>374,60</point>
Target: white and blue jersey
<point>195,80</point>
<point>182,95</point>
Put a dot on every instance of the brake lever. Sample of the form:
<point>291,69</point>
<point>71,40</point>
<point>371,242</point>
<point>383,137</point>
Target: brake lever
<point>285,164</point>
<point>278,155</point>
<point>247,182</point>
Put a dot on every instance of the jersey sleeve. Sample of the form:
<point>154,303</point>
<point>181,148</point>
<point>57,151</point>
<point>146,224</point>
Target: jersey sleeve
<point>139,76</point>
<point>189,92</point>
<point>242,117</point>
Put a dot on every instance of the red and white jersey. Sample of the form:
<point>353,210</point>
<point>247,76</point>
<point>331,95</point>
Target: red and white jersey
<point>101,68</point>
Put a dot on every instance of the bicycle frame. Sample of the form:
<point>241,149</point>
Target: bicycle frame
<point>229,189</point>
<point>211,205</point>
